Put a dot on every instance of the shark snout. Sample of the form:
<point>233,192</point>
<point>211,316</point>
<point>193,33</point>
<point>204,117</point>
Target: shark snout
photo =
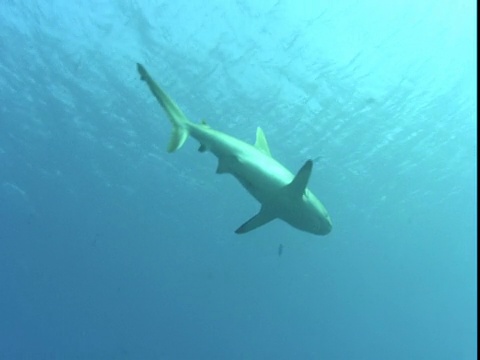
<point>324,226</point>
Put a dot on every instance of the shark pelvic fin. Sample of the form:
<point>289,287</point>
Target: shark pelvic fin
<point>299,183</point>
<point>258,220</point>
<point>222,166</point>
<point>225,163</point>
<point>261,142</point>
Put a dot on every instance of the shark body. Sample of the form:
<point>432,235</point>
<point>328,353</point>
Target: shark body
<point>281,194</point>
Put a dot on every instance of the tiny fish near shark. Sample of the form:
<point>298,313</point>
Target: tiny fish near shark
<point>281,194</point>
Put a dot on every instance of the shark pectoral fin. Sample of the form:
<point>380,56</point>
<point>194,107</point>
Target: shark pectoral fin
<point>261,142</point>
<point>258,220</point>
<point>300,181</point>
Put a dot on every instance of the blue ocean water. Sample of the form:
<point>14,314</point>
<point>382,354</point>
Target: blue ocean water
<point>111,248</point>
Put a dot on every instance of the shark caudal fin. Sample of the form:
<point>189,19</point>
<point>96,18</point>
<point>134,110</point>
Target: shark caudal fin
<point>177,118</point>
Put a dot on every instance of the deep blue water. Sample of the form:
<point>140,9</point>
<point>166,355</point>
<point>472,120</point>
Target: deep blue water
<point>111,248</point>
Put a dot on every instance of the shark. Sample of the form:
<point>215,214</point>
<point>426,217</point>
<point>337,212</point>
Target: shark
<point>282,194</point>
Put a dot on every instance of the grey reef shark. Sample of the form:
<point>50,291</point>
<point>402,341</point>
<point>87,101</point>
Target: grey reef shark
<point>281,194</point>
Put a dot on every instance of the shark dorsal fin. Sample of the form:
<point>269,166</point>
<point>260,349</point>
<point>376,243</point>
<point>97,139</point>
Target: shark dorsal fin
<point>261,142</point>
<point>299,183</point>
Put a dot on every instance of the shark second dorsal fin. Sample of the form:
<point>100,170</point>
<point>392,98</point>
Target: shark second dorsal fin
<point>261,142</point>
<point>264,216</point>
<point>300,181</point>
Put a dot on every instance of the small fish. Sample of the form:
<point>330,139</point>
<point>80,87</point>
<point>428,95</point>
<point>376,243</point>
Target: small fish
<point>280,249</point>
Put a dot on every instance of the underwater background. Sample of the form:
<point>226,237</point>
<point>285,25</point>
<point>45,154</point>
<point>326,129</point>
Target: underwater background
<point>111,248</point>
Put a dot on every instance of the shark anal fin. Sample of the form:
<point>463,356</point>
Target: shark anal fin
<point>300,181</point>
<point>258,220</point>
<point>261,142</point>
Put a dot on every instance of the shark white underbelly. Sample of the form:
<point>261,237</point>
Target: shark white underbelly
<point>281,194</point>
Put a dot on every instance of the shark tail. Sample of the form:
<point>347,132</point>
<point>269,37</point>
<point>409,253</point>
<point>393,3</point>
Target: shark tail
<point>180,123</point>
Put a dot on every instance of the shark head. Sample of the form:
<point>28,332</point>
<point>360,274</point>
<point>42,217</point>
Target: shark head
<point>302,208</point>
<point>321,223</point>
<point>296,205</point>
<point>311,216</point>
